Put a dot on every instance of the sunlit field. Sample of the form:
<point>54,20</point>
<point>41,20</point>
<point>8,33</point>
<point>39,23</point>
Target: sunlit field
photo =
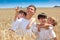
<point>7,16</point>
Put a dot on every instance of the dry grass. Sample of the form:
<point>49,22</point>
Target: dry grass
<point>7,15</point>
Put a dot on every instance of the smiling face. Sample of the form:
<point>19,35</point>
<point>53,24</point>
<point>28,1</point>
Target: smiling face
<point>51,20</point>
<point>20,15</point>
<point>31,10</point>
<point>42,20</point>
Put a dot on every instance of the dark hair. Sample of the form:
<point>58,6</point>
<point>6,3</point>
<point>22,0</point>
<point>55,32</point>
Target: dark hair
<point>32,6</point>
<point>21,11</point>
<point>42,15</point>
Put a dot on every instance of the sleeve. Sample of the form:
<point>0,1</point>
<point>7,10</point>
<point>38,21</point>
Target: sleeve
<point>16,24</point>
<point>52,34</point>
<point>51,27</point>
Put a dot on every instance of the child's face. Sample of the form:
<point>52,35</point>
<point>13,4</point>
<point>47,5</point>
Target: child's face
<point>20,15</point>
<point>42,20</point>
<point>50,21</point>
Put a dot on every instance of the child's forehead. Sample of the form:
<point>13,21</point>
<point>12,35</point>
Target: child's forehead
<point>42,18</point>
<point>50,19</point>
<point>21,13</point>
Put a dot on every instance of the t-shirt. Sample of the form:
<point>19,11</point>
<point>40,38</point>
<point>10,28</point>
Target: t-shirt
<point>34,28</point>
<point>20,25</point>
<point>46,34</point>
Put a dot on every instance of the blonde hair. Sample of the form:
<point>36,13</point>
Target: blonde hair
<point>54,21</point>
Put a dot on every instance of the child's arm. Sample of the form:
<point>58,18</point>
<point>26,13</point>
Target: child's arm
<point>38,27</point>
<point>16,14</point>
<point>31,22</point>
<point>46,26</point>
<point>28,27</point>
<point>42,26</point>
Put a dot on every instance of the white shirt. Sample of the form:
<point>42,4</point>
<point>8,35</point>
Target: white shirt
<point>34,28</point>
<point>46,34</point>
<point>20,26</point>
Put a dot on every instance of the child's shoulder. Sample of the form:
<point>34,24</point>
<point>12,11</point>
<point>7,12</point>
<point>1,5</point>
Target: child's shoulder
<point>48,24</point>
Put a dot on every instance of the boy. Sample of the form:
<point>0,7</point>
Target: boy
<point>44,34</point>
<point>21,14</point>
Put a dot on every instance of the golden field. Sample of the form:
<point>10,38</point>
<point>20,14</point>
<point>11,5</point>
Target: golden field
<point>6,19</point>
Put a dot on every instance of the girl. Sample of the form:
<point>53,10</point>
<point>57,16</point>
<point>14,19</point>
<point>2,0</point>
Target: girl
<point>53,22</point>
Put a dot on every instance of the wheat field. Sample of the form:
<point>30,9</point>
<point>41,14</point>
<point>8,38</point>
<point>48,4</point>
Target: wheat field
<point>6,19</point>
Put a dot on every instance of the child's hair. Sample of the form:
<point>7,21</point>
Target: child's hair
<point>42,15</point>
<point>54,21</point>
<point>21,11</point>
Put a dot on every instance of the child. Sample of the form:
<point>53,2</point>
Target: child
<point>43,33</point>
<point>53,22</point>
<point>19,14</point>
<point>42,19</point>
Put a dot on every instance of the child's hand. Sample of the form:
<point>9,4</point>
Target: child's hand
<point>46,26</point>
<point>31,22</point>
<point>38,27</point>
<point>17,8</point>
<point>16,14</point>
<point>28,26</point>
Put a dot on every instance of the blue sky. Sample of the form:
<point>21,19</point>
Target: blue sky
<point>25,3</point>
